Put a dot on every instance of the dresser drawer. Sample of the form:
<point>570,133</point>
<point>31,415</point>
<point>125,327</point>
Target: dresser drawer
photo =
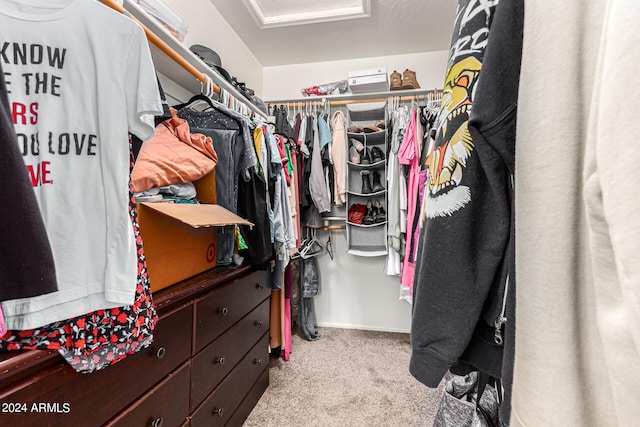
<point>224,306</point>
<point>166,404</point>
<point>250,400</point>
<point>213,363</point>
<point>221,404</point>
<point>101,395</point>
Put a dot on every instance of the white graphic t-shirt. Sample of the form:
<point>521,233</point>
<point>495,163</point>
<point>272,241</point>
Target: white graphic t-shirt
<point>79,77</point>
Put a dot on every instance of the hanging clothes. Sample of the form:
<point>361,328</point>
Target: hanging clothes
<point>409,155</point>
<point>288,295</point>
<point>465,227</point>
<point>310,215</point>
<point>81,166</point>
<point>96,340</point>
<point>578,244</point>
<point>282,121</point>
<point>338,153</point>
<point>284,240</point>
<point>27,268</point>
<point>317,183</point>
<point>309,285</point>
<point>226,134</point>
<point>395,184</point>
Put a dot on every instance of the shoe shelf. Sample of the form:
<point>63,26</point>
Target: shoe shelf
<point>375,224</point>
<point>367,195</point>
<point>366,112</point>
<point>379,164</point>
<point>366,183</point>
<point>368,251</point>
<point>375,138</point>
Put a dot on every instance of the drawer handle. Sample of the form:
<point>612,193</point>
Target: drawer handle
<point>260,285</point>
<point>257,361</point>
<point>160,354</point>
<point>219,361</point>
<point>224,311</point>
<point>157,422</point>
<point>259,323</point>
<point>218,412</point>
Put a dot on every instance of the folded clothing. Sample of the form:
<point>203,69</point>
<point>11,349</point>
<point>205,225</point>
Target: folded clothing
<point>173,156</point>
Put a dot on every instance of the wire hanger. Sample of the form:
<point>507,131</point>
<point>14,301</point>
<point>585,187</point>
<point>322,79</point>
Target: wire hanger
<point>329,246</point>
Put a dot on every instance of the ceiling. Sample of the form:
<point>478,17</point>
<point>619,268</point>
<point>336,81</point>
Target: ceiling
<point>282,32</point>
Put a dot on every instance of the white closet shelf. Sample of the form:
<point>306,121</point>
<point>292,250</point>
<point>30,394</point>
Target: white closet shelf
<point>365,195</point>
<point>167,66</point>
<point>357,96</point>
<point>376,165</point>
<point>375,224</point>
<point>367,253</point>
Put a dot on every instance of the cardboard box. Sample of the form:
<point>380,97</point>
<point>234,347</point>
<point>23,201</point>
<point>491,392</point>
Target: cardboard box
<point>373,83</point>
<point>368,72</point>
<point>180,240</point>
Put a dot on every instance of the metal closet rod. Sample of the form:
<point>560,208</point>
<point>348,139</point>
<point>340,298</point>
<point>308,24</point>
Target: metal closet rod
<point>160,44</point>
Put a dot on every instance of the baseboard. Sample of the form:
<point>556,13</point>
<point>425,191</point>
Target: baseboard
<point>361,327</point>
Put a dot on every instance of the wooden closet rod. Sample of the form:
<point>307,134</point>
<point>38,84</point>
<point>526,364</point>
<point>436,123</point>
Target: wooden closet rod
<point>320,100</point>
<point>157,41</point>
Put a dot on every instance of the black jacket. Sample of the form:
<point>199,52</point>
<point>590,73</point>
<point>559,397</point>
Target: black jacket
<point>465,244</point>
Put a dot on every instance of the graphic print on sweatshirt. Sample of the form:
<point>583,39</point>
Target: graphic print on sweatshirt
<point>447,160</point>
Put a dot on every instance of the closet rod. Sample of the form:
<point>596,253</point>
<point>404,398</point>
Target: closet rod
<point>175,56</point>
<point>320,100</point>
<point>157,41</point>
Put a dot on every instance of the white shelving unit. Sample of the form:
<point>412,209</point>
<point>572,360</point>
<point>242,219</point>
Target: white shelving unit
<point>368,240</point>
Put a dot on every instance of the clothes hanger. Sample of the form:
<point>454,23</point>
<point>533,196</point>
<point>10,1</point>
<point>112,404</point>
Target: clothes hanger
<point>329,246</point>
<point>311,247</point>
<point>200,98</point>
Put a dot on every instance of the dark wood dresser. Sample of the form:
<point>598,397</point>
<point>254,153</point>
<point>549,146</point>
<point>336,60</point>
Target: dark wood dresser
<point>207,366</point>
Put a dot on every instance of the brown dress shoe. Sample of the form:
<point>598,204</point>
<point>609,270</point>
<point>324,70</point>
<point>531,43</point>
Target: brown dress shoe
<point>395,81</point>
<point>409,80</point>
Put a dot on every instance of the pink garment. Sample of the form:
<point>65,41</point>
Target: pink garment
<point>422,184</point>
<point>3,326</point>
<point>409,154</point>
<point>288,343</point>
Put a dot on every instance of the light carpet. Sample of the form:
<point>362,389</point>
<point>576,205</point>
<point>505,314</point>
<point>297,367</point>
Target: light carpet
<point>346,378</point>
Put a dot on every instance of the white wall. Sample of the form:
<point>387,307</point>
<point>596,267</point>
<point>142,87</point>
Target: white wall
<point>355,293</point>
<point>208,28</point>
<point>285,81</point>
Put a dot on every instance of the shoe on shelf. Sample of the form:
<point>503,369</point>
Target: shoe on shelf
<point>369,216</point>
<point>380,215</point>
<point>354,156</point>
<point>370,129</point>
<point>356,213</point>
<point>409,80</point>
<point>380,124</point>
<point>366,183</point>
<point>356,144</point>
<point>377,185</point>
<point>365,157</point>
<point>395,81</point>
<point>377,155</point>
<point>355,129</point>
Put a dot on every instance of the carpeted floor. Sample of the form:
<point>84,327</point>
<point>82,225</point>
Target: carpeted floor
<point>346,378</point>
